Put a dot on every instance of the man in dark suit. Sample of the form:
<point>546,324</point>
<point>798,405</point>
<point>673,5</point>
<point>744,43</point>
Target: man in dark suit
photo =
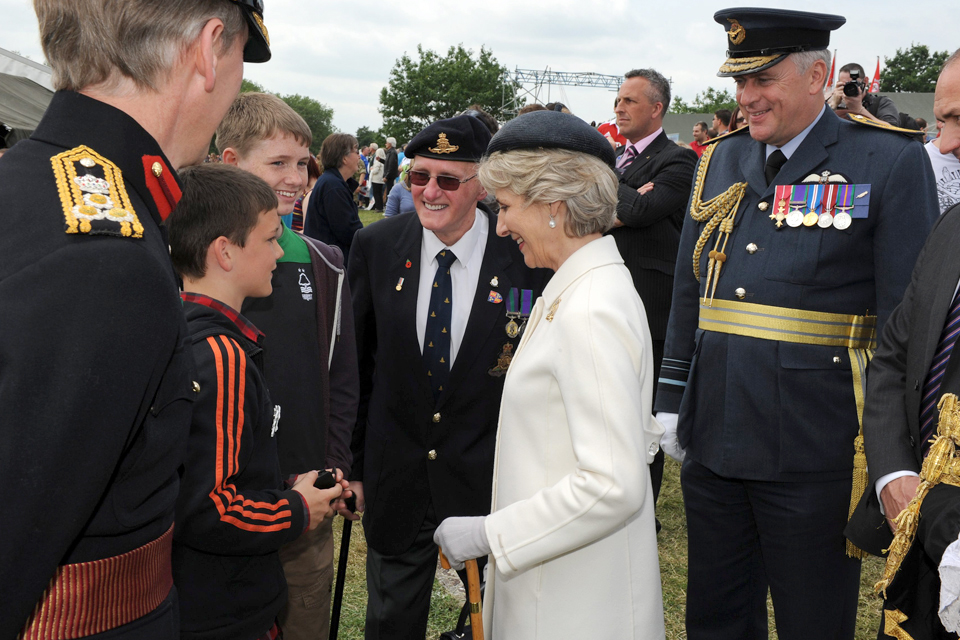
<point>797,246</point>
<point>430,294</point>
<point>655,180</point>
<point>913,367</point>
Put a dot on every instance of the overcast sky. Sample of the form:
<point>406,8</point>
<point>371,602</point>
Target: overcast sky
<point>341,53</point>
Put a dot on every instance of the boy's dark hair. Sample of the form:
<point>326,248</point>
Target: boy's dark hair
<point>218,200</point>
<point>335,148</point>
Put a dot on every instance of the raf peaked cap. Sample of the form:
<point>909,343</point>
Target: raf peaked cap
<point>258,42</point>
<point>462,139</point>
<point>552,130</point>
<point>760,38</point>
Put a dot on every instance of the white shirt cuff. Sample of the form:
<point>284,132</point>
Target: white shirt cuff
<point>950,588</point>
<point>883,481</point>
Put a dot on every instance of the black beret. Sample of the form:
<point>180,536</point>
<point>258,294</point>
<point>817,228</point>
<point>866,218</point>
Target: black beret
<point>761,38</point>
<point>552,130</point>
<point>462,138</point>
<point>257,48</point>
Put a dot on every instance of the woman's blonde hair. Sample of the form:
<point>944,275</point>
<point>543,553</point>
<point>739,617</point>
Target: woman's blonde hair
<point>583,182</point>
<point>91,42</point>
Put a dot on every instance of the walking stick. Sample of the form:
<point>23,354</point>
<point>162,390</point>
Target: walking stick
<point>341,572</point>
<point>473,594</point>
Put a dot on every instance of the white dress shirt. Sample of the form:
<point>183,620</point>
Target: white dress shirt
<point>464,273</point>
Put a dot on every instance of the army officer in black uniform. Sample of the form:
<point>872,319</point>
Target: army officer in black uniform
<point>95,380</point>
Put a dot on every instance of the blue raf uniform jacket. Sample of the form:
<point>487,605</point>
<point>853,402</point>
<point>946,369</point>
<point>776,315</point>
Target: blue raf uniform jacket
<point>763,409</point>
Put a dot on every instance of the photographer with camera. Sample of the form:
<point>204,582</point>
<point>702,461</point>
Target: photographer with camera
<point>850,96</point>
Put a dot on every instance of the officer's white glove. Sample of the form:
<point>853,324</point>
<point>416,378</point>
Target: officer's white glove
<point>462,539</point>
<point>669,442</point>
<point>950,587</point>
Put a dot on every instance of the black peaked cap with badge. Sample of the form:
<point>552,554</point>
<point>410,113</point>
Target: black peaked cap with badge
<point>461,139</point>
<point>552,130</point>
<point>257,48</point>
<point>759,38</point>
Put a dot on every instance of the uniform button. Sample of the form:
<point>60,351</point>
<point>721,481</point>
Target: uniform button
<point>763,206</point>
<point>653,449</point>
<point>196,387</point>
<point>913,442</point>
<point>751,248</point>
<point>740,293</point>
<point>157,169</point>
<point>432,454</point>
<point>836,359</point>
<point>436,417</point>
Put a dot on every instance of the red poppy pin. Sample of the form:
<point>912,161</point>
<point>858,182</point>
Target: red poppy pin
<point>409,264</point>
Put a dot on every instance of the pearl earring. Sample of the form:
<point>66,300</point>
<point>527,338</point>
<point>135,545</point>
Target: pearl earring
<point>552,223</point>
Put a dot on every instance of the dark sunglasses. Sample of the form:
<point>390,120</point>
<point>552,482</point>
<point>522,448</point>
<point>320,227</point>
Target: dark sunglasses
<point>447,183</point>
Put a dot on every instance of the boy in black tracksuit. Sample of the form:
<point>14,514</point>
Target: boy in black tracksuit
<point>234,511</point>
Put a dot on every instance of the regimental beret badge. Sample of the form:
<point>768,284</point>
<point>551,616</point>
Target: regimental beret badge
<point>93,195</point>
<point>737,34</point>
<point>443,145</point>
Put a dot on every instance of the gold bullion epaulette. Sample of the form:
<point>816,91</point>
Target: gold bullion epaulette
<point>93,195</point>
<point>881,125</point>
<point>727,135</point>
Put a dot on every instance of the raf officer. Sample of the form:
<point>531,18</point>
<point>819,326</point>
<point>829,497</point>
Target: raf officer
<point>436,327</point>
<point>96,378</point>
<point>800,236</point>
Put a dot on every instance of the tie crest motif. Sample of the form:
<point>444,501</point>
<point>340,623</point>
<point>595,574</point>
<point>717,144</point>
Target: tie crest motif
<point>436,354</point>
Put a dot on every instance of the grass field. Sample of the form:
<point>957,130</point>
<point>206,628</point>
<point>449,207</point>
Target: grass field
<point>673,568</point>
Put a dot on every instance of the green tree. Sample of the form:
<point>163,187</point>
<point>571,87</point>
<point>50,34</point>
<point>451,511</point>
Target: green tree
<point>707,101</point>
<point>914,70</point>
<point>366,135</point>
<point>432,87</point>
<point>248,86</point>
<point>319,117</point>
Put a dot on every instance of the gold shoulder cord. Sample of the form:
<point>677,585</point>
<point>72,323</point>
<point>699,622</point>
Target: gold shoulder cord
<point>718,211</point>
<point>940,465</point>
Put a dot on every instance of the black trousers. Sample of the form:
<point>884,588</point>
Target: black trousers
<point>399,587</point>
<point>377,196</point>
<point>745,536</point>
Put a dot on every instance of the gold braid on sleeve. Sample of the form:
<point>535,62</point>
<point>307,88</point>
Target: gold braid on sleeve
<point>940,465</point>
<point>720,211</point>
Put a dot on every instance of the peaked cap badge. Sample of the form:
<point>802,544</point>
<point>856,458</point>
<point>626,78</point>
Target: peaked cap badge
<point>737,33</point>
<point>443,145</point>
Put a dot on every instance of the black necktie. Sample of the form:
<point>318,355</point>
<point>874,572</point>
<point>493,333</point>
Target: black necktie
<point>436,339</point>
<point>772,168</point>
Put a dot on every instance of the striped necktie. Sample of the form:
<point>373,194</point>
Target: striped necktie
<point>436,338</point>
<point>931,386</point>
<point>626,158</point>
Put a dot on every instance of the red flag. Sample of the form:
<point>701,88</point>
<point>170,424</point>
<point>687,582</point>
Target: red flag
<point>875,85</point>
<point>833,65</point>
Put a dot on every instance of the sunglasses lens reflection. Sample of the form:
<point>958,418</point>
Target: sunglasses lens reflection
<point>421,178</point>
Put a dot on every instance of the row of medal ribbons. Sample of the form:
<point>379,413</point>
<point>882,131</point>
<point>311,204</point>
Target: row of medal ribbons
<point>823,205</point>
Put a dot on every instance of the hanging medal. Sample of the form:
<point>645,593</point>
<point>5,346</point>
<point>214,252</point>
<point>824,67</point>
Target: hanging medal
<point>827,205</point>
<point>798,197</point>
<point>519,305</point>
<point>781,203</point>
<point>813,201</point>
<point>842,219</point>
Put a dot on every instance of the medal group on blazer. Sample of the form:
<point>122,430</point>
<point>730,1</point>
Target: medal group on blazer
<point>825,201</point>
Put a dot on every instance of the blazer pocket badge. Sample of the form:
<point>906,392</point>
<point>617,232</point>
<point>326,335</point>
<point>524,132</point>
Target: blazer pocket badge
<point>503,361</point>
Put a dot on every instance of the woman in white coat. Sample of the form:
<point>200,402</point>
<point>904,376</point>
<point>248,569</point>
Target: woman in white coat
<point>571,535</point>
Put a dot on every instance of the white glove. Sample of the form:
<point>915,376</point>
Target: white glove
<point>669,442</point>
<point>462,539</point>
<point>950,588</point>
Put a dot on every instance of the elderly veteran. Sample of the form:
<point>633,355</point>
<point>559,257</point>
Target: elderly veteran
<point>435,332</point>
<point>97,378</point>
<point>572,532</point>
<point>800,237</point>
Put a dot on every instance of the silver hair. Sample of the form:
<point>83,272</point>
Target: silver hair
<point>586,185</point>
<point>805,59</point>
